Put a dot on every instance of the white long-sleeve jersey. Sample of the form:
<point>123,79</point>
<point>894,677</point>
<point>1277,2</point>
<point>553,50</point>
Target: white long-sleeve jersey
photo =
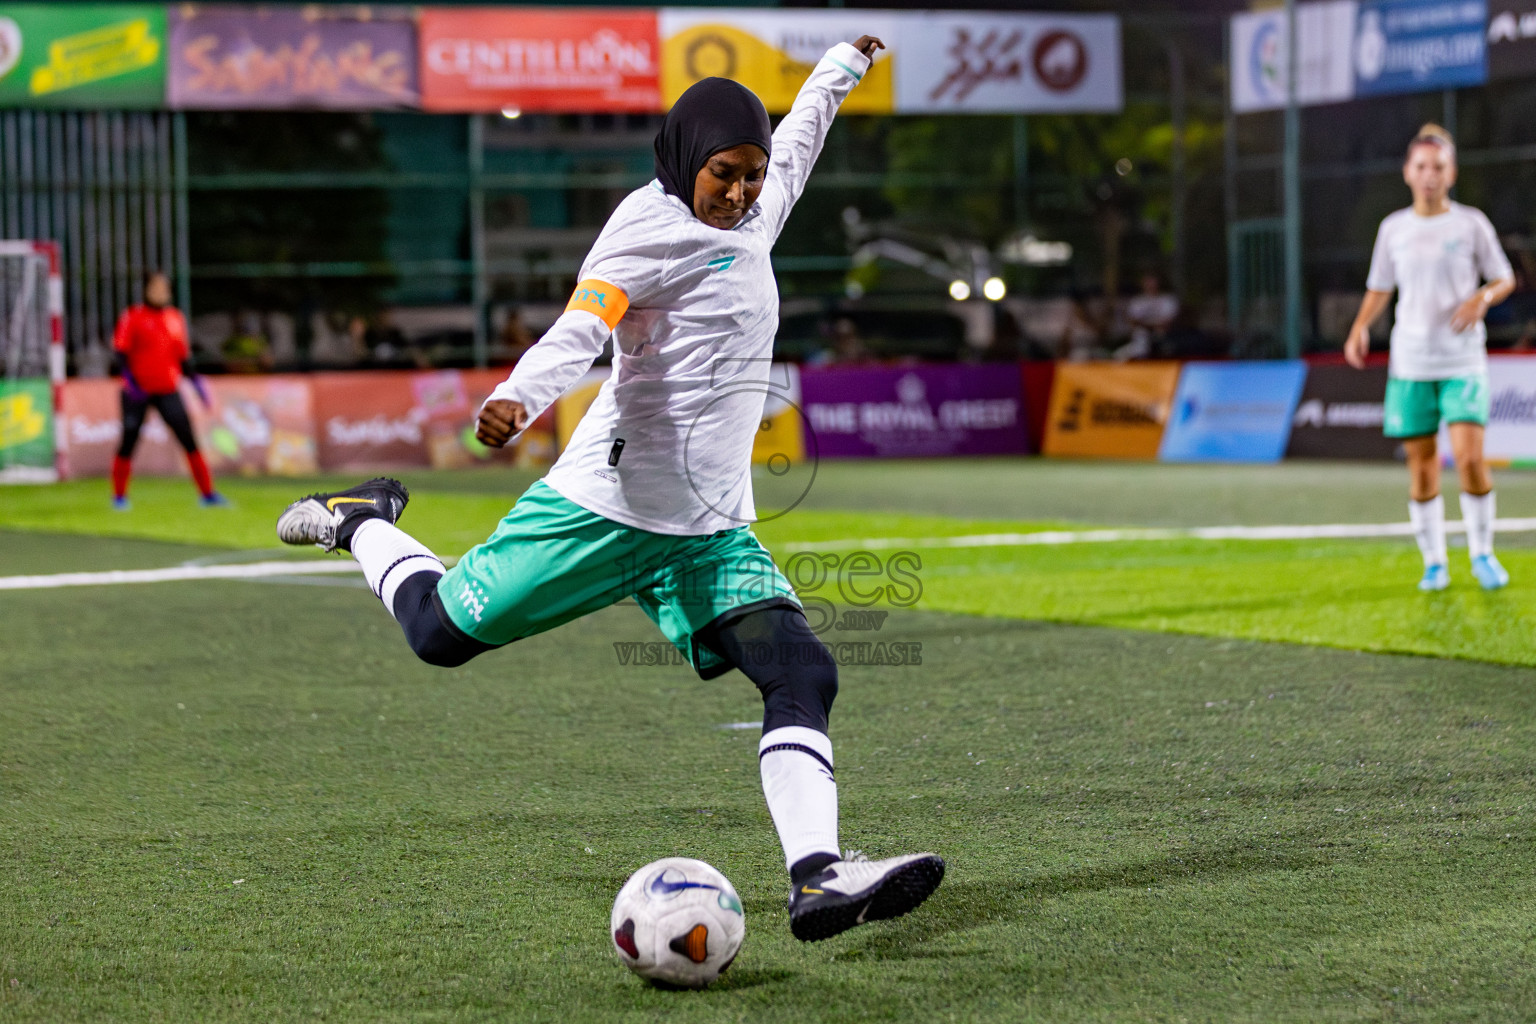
<point>693,310</point>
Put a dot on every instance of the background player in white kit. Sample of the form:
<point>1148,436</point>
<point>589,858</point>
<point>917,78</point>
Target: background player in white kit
<point>1438,254</point>
<point>652,497</point>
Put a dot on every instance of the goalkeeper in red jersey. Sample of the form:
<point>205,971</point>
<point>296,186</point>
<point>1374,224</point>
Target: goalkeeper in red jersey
<point>151,354</point>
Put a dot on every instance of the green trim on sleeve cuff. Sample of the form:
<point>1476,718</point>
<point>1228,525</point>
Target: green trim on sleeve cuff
<point>856,76</point>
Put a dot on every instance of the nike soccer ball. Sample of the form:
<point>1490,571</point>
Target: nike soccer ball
<point>678,921</point>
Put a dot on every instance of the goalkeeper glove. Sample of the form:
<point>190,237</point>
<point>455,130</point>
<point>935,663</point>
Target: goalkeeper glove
<point>198,384</point>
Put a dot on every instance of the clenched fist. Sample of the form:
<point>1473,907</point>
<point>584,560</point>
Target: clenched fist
<point>498,421</point>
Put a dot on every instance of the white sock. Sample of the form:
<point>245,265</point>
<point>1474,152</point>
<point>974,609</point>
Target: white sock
<point>389,556</point>
<point>1428,519</point>
<point>801,793</point>
<point>1477,510</point>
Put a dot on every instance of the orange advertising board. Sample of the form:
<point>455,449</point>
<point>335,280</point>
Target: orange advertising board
<point>580,60</point>
<point>1110,410</point>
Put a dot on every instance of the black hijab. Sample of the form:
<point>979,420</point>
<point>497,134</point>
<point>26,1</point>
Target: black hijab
<point>714,114</point>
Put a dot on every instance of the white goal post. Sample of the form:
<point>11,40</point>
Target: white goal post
<point>32,439</point>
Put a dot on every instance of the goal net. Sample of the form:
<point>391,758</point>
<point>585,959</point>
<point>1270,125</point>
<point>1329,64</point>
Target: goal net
<point>31,362</point>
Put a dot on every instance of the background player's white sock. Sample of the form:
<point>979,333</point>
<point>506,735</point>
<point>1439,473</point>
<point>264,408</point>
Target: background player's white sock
<point>389,556</point>
<point>1477,510</point>
<point>1428,518</point>
<point>796,765</point>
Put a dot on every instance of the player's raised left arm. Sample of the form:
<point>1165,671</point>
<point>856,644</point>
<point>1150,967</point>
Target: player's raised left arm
<point>798,139</point>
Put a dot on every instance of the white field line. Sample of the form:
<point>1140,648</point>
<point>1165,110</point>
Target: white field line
<point>245,571</point>
<point>1054,537</point>
<point>263,570</point>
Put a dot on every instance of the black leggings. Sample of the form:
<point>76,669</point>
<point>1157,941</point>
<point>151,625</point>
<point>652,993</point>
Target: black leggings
<point>773,646</point>
<point>429,631</point>
<point>171,409</point>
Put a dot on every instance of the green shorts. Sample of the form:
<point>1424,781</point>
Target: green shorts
<point>551,561</point>
<point>1416,408</point>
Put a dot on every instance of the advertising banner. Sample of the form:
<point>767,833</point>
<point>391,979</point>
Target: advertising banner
<point>1260,72</point>
<point>1109,410</point>
<point>908,412</point>
<point>1511,38</point>
<point>26,424</point>
<point>772,52</point>
<point>980,62</point>
<point>1233,412</point>
<point>109,56</point>
<point>1416,45</point>
<point>1511,435</point>
<point>289,425</point>
<point>92,423</point>
<point>446,404</point>
<point>368,421</point>
<point>449,401</point>
<point>258,425</point>
<point>394,420</point>
<point>580,60</point>
<point>246,58</point>
<point>1340,415</point>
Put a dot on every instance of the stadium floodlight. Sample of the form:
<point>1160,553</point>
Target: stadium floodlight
<point>511,113</point>
<point>956,262</point>
<point>994,288</point>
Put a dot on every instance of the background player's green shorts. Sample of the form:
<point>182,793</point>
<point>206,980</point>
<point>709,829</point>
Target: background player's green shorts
<point>1416,408</point>
<point>551,561</point>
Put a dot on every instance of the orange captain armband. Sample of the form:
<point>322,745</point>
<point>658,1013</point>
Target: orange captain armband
<point>600,298</point>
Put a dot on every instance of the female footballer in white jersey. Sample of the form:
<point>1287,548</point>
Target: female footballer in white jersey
<point>652,497</point>
<point>1446,264</point>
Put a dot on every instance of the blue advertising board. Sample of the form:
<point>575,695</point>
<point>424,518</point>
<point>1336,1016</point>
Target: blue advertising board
<point>1233,412</point>
<point>1415,45</point>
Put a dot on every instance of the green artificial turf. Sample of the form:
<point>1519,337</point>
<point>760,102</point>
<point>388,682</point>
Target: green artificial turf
<point>1352,594</point>
<point>465,503</point>
<point>246,801</point>
<point>232,801</point>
